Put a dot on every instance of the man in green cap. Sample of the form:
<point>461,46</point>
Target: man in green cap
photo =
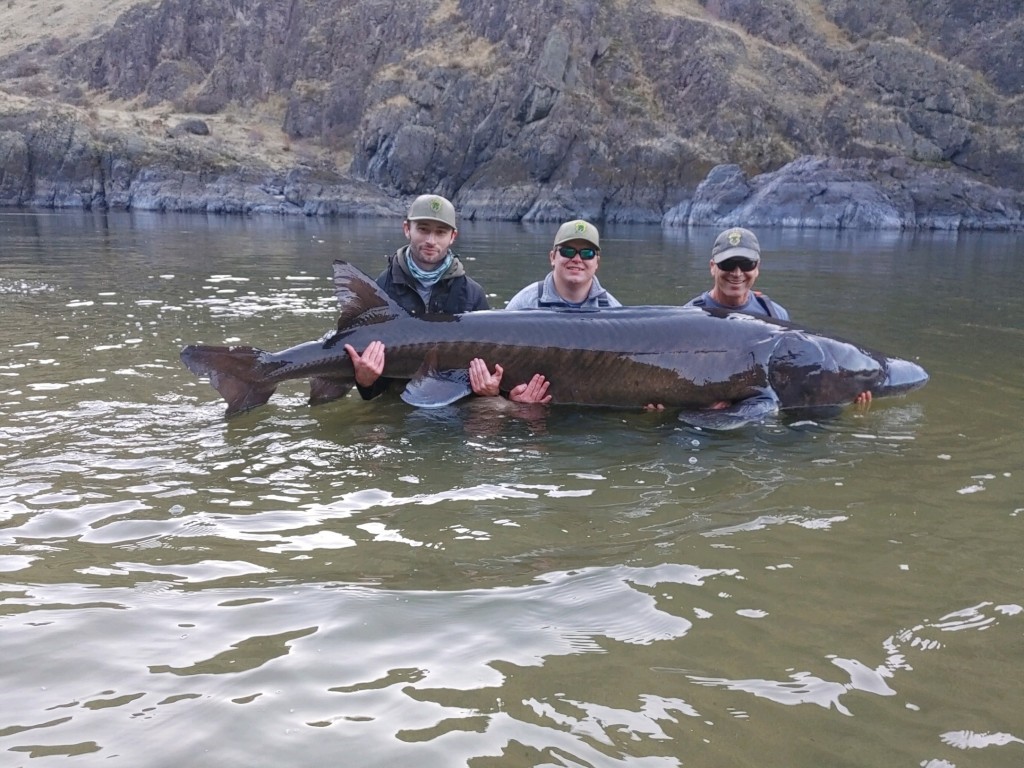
<point>571,284</point>
<point>424,276</point>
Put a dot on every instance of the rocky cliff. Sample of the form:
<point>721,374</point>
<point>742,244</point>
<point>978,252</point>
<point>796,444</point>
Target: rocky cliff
<point>835,113</point>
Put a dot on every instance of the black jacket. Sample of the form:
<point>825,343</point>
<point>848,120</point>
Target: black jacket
<point>453,294</point>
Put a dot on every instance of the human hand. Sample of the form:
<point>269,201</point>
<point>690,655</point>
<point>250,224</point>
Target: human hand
<point>654,407</point>
<point>369,365</point>
<point>483,382</point>
<point>534,391</point>
<point>863,401</point>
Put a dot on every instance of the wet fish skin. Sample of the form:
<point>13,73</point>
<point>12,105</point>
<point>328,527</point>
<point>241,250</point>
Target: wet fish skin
<point>687,358</point>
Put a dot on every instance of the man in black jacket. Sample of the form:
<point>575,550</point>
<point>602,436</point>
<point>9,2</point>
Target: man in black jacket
<point>423,276</point>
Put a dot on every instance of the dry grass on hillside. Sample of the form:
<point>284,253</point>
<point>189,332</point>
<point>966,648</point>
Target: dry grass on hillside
<point>47,24</point>
<point>24,22</point>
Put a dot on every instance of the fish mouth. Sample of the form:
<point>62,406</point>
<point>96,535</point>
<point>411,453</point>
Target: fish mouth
<point>901,376</point>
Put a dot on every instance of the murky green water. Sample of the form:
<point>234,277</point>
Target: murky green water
<point>363,584</point>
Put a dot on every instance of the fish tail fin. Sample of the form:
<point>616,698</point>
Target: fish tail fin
<point>235,372</point>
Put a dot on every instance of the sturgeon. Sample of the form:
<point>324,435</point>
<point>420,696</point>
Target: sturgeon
<point>688,358</point>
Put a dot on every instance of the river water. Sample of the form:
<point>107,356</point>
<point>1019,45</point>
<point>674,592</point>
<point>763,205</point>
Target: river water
<point>365,584</point>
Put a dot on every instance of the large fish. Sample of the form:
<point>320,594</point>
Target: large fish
<point>686,358</point>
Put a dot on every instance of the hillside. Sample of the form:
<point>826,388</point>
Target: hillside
<point>794,112</point>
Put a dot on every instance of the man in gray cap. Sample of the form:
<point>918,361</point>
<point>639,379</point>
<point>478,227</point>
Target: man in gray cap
<point>571,284</point>
<point>423,276</point>
<point>735,265</point>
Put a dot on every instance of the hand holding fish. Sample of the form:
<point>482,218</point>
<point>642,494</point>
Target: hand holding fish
<point>535,391</point>
<point>483,382</point>
<point>487,384</point>
<point>368,366</point>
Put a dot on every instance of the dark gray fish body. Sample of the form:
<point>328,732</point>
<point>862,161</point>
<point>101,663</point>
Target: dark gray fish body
<point>688,358</point>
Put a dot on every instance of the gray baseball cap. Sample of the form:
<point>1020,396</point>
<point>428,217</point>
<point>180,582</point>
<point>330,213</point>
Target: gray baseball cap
<point>736,242</point>
<point>578,230</point>
<point>432,208</point>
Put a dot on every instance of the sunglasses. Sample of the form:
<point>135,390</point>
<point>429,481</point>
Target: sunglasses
<point>585,253</point>
<point>747,265</point>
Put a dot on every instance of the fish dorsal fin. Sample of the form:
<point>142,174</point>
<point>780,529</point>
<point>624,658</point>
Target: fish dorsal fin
<point>360,300</point>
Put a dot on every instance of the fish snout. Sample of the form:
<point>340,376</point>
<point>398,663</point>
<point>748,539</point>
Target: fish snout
<point>901,376</point>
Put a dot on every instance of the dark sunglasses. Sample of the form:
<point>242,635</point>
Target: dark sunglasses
<point>747,265</point>
<point>585,253</point>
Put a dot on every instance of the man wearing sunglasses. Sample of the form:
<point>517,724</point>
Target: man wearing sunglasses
<point>571,284</point>
<point>735,265</point>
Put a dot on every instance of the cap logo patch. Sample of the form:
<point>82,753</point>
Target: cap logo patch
<point>581,227</point>
<point>734,238</point>
<point>435,205</point>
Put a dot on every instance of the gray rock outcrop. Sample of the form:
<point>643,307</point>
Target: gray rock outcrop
<point>841,113</point>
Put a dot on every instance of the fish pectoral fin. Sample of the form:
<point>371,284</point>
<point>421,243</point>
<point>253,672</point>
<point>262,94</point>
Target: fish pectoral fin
<point>434,389</point>
<point>753,410</point>
<point>323,389</point>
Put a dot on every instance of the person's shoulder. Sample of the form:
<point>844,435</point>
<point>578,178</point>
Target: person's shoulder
<point>526,298</point>
<point>384,278</point>
<point>476,297</point>
<point>779,311</point>
<point>601,296</point>
<point>772,308</point>
<point>457,271</point>
<point>610,299</point>
<point>390,269</point>
<point>700,300</point>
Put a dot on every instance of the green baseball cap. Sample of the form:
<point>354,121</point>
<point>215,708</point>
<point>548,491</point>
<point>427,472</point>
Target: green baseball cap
<point>578,230</point>
<point>432,208</point>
